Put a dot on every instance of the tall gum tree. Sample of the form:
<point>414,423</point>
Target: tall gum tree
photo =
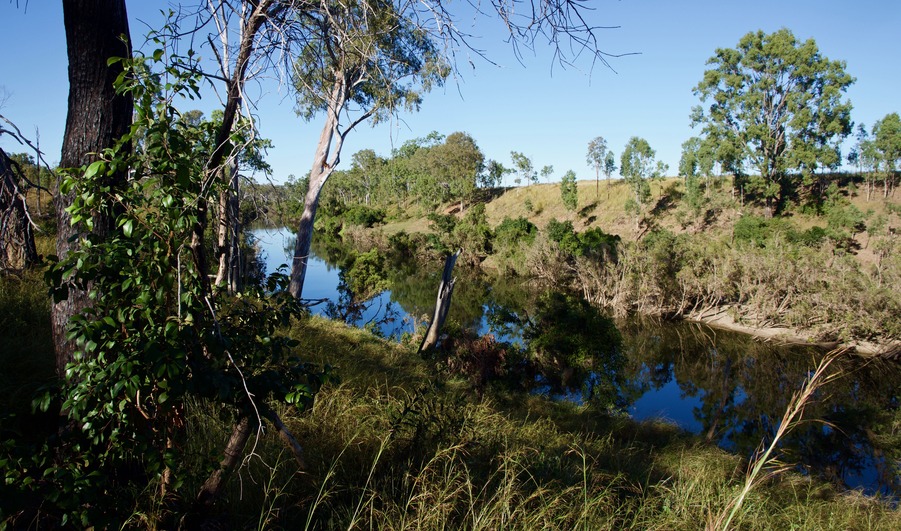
<point>377,56</point>
<point>596,158</point>
<point>775,106</point>
<point>362,61</point>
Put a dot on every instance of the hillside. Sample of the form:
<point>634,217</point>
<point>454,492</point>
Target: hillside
<point>816,272</point>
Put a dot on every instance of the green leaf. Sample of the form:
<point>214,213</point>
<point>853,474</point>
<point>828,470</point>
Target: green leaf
<point>93,169</point>
<point>128,228</point>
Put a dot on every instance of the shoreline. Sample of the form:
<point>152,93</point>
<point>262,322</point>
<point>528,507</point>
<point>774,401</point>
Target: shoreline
<point>720,318</point>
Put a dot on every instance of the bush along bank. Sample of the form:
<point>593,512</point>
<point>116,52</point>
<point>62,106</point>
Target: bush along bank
<point>766,277</point>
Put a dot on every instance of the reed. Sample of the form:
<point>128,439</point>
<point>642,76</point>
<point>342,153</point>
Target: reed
<point>764,466</point>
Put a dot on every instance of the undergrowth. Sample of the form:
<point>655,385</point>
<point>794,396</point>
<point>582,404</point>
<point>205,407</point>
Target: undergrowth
<point>390,448</point>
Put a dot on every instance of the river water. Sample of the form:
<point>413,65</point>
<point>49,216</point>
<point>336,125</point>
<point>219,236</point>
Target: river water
<point>721,385</point>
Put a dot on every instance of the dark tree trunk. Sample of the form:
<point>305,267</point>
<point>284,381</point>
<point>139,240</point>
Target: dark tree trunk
<point>96,118</point>
<point>17,249</point>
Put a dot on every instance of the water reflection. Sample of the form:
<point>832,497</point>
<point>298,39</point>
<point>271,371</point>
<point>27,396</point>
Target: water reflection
<point>727,387</point>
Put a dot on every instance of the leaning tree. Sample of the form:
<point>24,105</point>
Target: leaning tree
<point>775,105</point>
<point>367,60</point>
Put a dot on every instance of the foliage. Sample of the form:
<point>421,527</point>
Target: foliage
<point>696,161</point>
<point>454,166</point>
<point>363,215</point>
<point>569,191</point>
<point>366,277</point>
<point>512,237</point>
<point>154,337</point>
<point>570,338</point>
<point>373,50</point>
<point>592,242</point>
<point>761,232</point>
<point>473,235</point>
<point>511,232</point>
<point>637,165</point>
<point>522,165</point>
<point>609,164</point>
<point>494,174</point>
<point>886,147</point>
<point>597,155</point>
<point>776,106</point>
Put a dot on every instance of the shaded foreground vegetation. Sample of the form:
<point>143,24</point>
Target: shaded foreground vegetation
<point>401,442</point>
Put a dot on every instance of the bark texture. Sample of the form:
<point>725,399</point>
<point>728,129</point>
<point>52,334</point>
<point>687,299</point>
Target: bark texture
<point>17,249</point>
<point>97,117</point>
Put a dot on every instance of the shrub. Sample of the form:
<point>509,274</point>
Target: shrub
<point>757,230</point>
<point>513,231</point>
<point>557,231</point>
<point>364,215</point>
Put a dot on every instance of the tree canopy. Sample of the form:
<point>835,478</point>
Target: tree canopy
<point>775,105</point>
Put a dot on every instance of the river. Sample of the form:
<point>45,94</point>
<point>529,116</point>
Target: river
<point>724,386</point>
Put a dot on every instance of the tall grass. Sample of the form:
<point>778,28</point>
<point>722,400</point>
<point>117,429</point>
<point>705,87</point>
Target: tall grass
<point>764,466</point>
<point>26,350</point>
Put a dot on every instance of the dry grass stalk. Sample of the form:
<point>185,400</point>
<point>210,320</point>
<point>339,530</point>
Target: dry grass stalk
<point>763,465</point>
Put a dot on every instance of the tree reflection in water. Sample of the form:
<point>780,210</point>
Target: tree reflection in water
<point>733,389</point>
<point>744,387</point>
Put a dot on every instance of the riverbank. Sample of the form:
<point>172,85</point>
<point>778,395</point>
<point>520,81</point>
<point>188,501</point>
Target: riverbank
<point>396,442</point>
<point>722,318</point>
<point>813,278</point>
<point>521,462</point>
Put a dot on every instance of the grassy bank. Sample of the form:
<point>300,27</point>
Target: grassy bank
<point>397,444</point>
<point>827,273</point>
<point>392,447</point>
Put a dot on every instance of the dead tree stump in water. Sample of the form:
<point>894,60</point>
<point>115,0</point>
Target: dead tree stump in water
<point>442,306</point>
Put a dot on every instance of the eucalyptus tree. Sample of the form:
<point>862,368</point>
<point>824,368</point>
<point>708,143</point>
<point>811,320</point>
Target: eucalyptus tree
<point>455,166</point>
<point>887,148</point>
<point>547,172</point>
<point>364,60</point>
<point>522,165</point>
<point>363,56</point>
<point>494,174</point>
<point>637,166</point>
<point>775,105</point>
<point>609,168</point>
<point>863,155</point>
<point>597,158</point>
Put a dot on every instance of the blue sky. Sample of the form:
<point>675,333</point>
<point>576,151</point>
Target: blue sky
<point>534,107</point>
